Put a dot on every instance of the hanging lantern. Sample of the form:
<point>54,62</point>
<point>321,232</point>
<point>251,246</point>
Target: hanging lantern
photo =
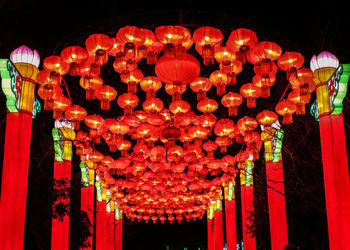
<point>91,84</point>
<point>152,105</point>
<point>264,83</point>
<point>150,84</point>
<point>171,36</point>
<point>210,147</point>
<point>75,114</point>
<point>44,77</point>
<point>106,94</point>
<point>290,62</point>
<point>49,93</point>
<point>304,80</point>
<point>131,78</point>
<point>177,71</point>
<point>299,100</point>
<point>231,101</point>
<point>240,41</point>
<point>131,37</point>
<point>175,90</point>
<point>223,142</point>
<point>57,66</point>
<point>179,107</point>
<point>74,55</point>
<point>246,124</point>
<point>286,108</point>
<point>201,85</point>
<point>220,80</point>
<point>207,105</point>
<point>94,122</point>
<point>224,56</point>
<point>128,101</point>
<point>205,39</point>
<point>60,104</point>
<point>250,92</point>
<point>224,127</point>
<point>123,146</point>
<point>266,118</point>
<point>198,133</point>
<point>98,45</point>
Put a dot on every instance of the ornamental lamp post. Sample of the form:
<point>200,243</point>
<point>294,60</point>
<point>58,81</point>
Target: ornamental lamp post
<point>18,76</point>
<point>328,76</point>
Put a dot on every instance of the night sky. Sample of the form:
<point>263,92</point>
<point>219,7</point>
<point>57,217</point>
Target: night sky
<point>51,26</point>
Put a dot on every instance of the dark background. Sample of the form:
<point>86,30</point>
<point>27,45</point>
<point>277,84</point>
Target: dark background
<point>49,26</point>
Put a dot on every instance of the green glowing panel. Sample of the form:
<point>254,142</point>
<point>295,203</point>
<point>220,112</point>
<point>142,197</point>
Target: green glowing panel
<point>342,78</point>
<point>11,82</point>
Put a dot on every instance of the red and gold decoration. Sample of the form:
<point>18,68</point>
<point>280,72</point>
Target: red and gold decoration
<point>157,142</point>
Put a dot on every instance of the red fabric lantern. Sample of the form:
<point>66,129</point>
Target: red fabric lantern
<point>207,105</point>
<point>220,80</point>
<point>240,41</point>
<point>131,78</point>
<point>206,38</point>
<point>106,94</point>
<point>177,71</point>
<point>60,104</point>
<point>201,85</point>
<point>131,37</point>
<point>171,36</point>
<point>128,101</point>
<point>231,101</point>
<point>250,92</point>
<point>286,108</point>
<point>98,45</point>
<point>266,118</point>
<point>150,85</point>
<point>75,114</point>
<point>290,62</point>
<point>74,55</point>
<point>91,84</point>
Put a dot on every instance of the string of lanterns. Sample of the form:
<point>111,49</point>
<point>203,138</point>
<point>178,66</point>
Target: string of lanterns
<point>168,168</point>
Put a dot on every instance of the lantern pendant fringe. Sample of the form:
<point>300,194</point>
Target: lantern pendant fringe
<point>74,69</point>
<point>151,57</point>
<point>287,119</point>
<point>239,138</point>
<point>223,149</point>
<point>169,50</point>
<point>90,94</point>
<point>48,104</point>
<point>200,95</point>
<point>232,110</point>
<point>265,91</point>
<point>251,102</point>
<point>300,108</point>
<point>132,87</point>
<point>95,69</point>
<point>105,104</point>
<point>57,114</point>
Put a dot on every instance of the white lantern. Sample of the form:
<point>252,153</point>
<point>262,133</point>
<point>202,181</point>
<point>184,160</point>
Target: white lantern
<point>324,60</point>
<point>23,54</point>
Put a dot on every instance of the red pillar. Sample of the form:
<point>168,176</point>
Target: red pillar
<point>62,137</point>
<point>100,225</point>
<point>247,200</point>
<point>276,204</point>
<point>218,228</point>
<point>230,217</point>
<point>15,179</point>
<point>60,226</point>
<point>336,180</point>
<point>87,205</point>
<point>118,233</point>
<point>210,233</point>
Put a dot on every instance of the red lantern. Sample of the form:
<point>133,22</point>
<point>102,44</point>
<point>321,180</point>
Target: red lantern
<point>171,36</point>
<point>91,84</point>
<point>152,105</point>
<point>286,108</point>
<point>299,100</point>
<point>220,80</point>
<point>98,45</point>
<point>224,56</point>
<point>250,92</point>
<point>304,80</point>
<point>207,105</point>
<point>264,83</point>
<point>75,114</point>
<point>175,90</point>
<point>45,77</point>
<point>49,93</point>
<point>131,78</point>
<point>150,85</point>
<point>106,94</point>
<point>240,41</point>
<point>131,37</point>
<point>232,101</point>
<point>290,62</point>
<point>74,55</point>
<point>57,66</point>
<point>266,118</point>
<point>177,71</point>
<point>206,38</point>
<point>60,104</point>
<point>123,146</point>
<point>128,101</point>
<point>201,85</point>
<point>223,142</point>
<point>198,133</point>
<point>210,147</point>
<point>94,122</point>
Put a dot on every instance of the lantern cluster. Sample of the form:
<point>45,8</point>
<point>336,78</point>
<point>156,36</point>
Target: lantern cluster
<point>169,162</point>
